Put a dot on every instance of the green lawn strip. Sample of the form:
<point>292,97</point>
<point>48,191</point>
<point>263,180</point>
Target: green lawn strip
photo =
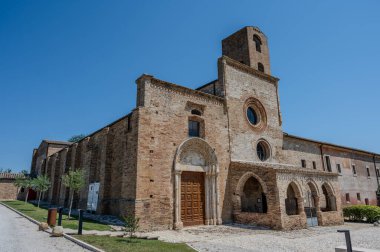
<point>40,214</point>
<point>115,244</point>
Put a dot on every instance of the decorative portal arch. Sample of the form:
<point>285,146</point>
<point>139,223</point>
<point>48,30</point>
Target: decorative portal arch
<point>239,195</point>
<point>196,155</point>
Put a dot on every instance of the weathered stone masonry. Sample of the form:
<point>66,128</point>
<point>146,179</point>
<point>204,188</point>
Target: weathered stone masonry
<point>213,155</point>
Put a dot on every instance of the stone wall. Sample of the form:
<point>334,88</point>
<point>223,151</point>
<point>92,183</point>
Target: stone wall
<point>243,83</point>
<point>239,173</point>
<point>164,112</point>
<point>8,191</point>
<point>105,157</point>
<point>295,149</point>
<point>302,182</point>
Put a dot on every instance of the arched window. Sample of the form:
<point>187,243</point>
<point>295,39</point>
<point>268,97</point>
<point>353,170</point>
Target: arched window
<point>263,150</point>
<point>260,67</point>
<point>196,112</point>
<point>257,42</point>
<point>253,198</point>
<point>328,202</point>
<point>291,203</point>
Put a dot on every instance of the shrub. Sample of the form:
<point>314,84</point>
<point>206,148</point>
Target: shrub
<point>362,213</point>
<point>131,224</point>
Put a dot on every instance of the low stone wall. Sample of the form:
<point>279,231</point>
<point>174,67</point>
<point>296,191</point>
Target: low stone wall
<point>292,222</point>
<point>259,219</point>
<point>8,191</point>
<point>330,218</point>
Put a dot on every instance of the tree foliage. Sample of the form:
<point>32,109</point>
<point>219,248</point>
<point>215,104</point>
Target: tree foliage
<point>25,183</point>
<point>131,224</point>
<point>76,138</point>
<point>41,184</point>
<point>75,181</point>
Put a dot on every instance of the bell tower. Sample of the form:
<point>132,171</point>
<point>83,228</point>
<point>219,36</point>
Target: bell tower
<point>248,46</point>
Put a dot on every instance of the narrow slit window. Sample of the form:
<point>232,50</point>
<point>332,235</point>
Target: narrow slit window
<point>339,170</point>
<point>258,43</point>
<point>260,67</point>
<point>347,197</point>
<point>303,163</point>
<point>328,163</point>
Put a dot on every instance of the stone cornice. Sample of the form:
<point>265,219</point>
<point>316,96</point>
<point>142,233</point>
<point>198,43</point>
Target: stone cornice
<point>247,69</point>
<point>180,89</point>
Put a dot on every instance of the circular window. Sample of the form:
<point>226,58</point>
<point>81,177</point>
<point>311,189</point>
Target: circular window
<point>252,116</point>
<point>255,114</point>
<point>263,151</point>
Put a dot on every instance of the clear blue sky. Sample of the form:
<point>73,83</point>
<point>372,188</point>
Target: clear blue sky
<point>68,67</point>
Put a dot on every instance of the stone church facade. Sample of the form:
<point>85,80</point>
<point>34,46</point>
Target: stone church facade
<point>213,155</point>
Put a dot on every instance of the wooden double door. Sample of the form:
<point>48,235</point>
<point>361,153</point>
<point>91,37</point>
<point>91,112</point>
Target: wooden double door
<point>192,198</point>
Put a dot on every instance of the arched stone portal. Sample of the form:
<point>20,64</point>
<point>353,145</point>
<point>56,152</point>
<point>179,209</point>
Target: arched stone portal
<point>196,156</point>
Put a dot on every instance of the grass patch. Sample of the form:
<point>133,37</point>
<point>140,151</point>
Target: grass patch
<point>115,244</point>
<point>40,214</point>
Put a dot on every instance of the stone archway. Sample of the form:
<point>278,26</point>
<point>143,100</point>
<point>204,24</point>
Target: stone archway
<point>196,155</point>
<point>311,207</point>
<point>239,192</point>
<point>294,199</point>
<point>328,201</point>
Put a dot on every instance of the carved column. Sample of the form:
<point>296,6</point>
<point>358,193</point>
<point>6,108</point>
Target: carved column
<point>208,206</point>
<point>217,211</point>
<point>213,204</point>
<point>177,191</point>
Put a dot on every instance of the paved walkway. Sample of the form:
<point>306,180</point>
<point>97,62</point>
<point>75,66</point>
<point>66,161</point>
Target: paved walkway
<point>239,238</point>
<point>19,234</point>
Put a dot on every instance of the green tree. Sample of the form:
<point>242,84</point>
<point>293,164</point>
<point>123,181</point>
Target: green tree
<point>75,181</point>
<point>76,138</point>
<point>131,224</point>
<point>41,184</point>
<point>25,183</point>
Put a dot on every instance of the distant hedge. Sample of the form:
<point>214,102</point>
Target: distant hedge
<point>362,213</point>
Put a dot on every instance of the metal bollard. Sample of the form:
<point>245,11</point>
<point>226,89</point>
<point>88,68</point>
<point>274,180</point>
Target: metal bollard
<point>80,225</point>
<point>348,239</point>
<point>60,210</point>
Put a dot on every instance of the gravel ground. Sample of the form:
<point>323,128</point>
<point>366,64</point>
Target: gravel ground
<point>21,235</point>
<point>241,238</point>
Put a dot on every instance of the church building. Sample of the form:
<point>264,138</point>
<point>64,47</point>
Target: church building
<point>213,155</point>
